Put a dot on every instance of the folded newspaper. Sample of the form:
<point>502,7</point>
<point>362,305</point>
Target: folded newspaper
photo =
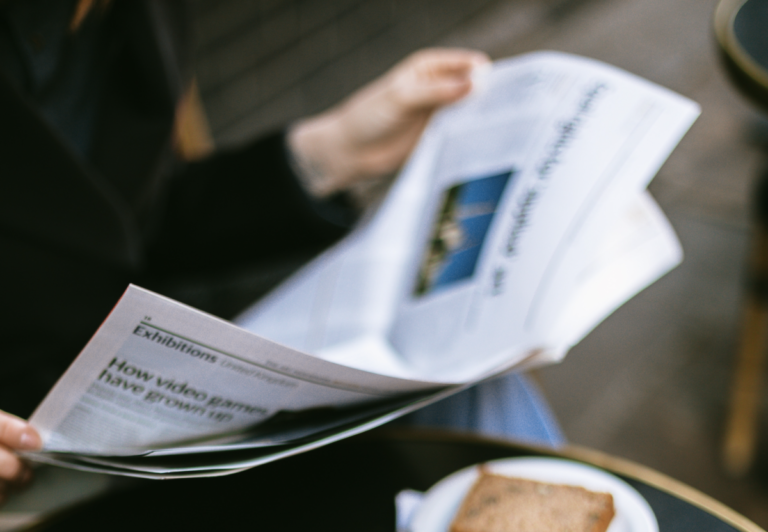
<point>520,222</point>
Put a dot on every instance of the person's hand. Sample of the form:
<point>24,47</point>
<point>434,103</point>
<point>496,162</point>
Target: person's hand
<point>15,435</point>
<point>371,133</point>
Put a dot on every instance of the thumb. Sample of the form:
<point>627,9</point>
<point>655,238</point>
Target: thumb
<point>15,433</point>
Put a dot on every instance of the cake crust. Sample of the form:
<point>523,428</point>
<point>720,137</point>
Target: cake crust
<point>506,504</point>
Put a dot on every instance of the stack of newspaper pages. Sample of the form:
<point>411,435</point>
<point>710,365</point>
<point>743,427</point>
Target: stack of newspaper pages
<point>520,222</point>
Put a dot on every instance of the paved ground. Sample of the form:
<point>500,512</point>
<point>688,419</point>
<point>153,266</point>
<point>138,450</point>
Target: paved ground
<point>651,383</point>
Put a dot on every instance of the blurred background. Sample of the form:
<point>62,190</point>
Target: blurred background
<point>652,382</point>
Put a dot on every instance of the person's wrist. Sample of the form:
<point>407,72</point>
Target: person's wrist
<point>317,148</point>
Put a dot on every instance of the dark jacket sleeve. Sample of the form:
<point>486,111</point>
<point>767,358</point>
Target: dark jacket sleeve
<point>242,206</point>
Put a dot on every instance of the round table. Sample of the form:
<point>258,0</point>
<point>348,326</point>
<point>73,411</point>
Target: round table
<point>351,485</point>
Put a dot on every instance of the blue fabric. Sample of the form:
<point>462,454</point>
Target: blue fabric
<point>510,406</point>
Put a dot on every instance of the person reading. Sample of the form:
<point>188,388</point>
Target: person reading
<point>94,197</point>
<point>73,72</point>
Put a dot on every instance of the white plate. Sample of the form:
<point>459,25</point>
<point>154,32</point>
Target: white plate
<point>442,501</point>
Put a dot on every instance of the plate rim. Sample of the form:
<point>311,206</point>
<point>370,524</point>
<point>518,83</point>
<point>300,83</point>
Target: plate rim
<point>472,471</point>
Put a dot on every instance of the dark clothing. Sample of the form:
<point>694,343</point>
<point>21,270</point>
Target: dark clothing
<point>80,220</point>
<point>60,71</point>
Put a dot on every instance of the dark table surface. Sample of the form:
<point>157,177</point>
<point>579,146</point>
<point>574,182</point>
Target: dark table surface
<point>351,486</point>
<point>740,28</point>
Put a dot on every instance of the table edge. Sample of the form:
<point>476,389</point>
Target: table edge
<point>621,466</point>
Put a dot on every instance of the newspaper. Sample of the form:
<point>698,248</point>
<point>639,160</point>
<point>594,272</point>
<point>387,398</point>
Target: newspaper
<point>520,222</point>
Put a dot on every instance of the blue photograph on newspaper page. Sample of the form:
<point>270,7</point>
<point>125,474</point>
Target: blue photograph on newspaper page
<point>459,230</point>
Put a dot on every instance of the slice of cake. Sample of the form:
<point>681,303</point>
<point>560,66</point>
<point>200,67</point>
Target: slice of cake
<point>503,504</point>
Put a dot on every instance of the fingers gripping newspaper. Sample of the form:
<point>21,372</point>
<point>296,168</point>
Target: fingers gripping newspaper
<point>520,222</point>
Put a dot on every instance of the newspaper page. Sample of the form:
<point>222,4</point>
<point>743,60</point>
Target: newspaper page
<point>482,242</point>
<point>215,460</point>
<point>638,248</point>
<point>159,373</point>
<point>519,223</point>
